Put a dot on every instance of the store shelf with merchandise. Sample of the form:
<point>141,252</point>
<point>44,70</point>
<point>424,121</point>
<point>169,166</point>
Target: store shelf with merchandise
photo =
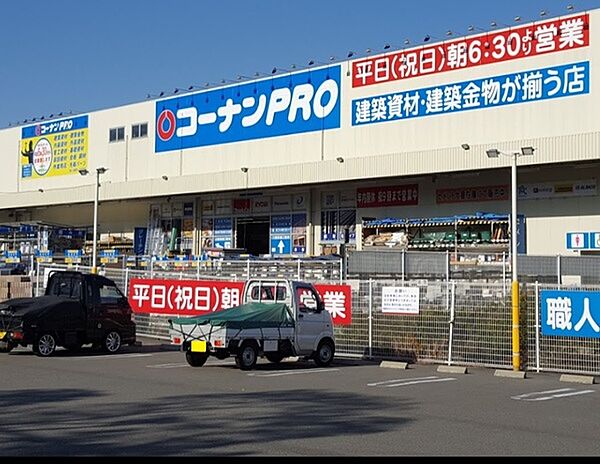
<point>481,232</point>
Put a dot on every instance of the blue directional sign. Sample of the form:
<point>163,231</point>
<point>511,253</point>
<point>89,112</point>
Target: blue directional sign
<point>223,232</point>
<point>281,234</point>
<point>281,244</point>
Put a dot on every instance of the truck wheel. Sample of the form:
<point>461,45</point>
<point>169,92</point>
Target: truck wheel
<point>112,342</point>
<point>196,359</point>
<point>324,354</point>
<point>247,356</point>
<point>45,345</point>
<point>274,357</point>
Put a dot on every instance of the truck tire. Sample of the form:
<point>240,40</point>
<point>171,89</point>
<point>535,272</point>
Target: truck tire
<point>45,345</point>
<point>247,356</point>
<point>324,354</point>
<point>196,359</point>
<point>274,357</point>
<point>112,342</point>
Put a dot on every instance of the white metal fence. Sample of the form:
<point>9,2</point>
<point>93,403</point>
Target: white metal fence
<point>555,353</point>
<point>459,322</point>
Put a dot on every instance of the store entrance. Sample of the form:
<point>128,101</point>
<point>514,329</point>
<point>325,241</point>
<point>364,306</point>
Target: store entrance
<point>253,235</point>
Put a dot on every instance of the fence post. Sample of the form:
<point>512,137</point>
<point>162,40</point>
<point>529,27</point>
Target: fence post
<point>451,321</point>
<point>558,270</point>
<point>537,327</point>
<point>151,268</point>
<point>198,269</point>
<point>403,264</point>
<point>341,271</point>
<point>248,269</point>
<point>37,281</point>
<point>447,280</point>
<point>370,318</point>
<point>298,272</point>
<point>503,274</point>
<point>127,281</point>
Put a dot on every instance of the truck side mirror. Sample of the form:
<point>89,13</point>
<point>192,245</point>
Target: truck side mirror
<point>320,307</point>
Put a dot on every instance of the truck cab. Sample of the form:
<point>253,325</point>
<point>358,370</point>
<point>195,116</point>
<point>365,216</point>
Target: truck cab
<point>312,320</point>
<point>76,309</point>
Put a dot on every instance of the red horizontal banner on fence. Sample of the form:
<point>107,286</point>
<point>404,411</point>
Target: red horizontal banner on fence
<point>194,297</point>
<point>183,297</point>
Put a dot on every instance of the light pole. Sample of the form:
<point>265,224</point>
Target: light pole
<point>495,153</point>
<point>85,172</point>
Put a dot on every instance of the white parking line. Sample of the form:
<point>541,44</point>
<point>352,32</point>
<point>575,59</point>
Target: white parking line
<point>108,356</point>
<point>375,384</point>
<point>168,365</point>
<point>294,372</point>
<point>404,384</point>
<point>551,394</point>
<point>547,392</point>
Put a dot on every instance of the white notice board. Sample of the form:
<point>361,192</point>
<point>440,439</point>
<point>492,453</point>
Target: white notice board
<point>400,300</point>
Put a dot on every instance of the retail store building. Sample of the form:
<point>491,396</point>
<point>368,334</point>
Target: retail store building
<point>379,151</point>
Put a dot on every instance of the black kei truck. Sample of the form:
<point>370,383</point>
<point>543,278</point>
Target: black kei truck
<point>77,309</point>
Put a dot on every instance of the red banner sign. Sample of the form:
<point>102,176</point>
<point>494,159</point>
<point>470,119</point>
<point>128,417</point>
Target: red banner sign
<point>399,195</point>
<point>559,34</point>
<point>464,194</point>
<point>338,301</point>
<point>195,297</point>
<point>183,297</point>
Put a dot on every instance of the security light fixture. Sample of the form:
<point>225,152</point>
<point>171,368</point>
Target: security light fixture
<point>165,177</point>
<point>492,153</point>
<point>339,159</point>
<point>84,172</point>
<point>527,151</point>
<point>244,169</point>
<point>466,146</point>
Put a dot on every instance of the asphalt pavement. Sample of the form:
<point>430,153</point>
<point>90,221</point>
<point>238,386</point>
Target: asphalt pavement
<point>148,401</point>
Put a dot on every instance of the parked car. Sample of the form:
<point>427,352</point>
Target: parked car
<point>77,309</point>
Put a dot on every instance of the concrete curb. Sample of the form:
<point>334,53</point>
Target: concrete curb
<point>453,369</point>
<point>394,364</point>
<point>510,374</point>
<point>586,379</point>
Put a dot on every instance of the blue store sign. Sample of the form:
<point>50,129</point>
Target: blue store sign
<point>570,313</point>
<point>289,104</point>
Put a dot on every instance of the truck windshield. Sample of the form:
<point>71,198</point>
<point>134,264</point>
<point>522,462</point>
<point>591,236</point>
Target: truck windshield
<point>67,286</point>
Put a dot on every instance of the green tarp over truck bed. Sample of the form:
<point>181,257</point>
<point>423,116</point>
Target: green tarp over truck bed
<point>247,316</point>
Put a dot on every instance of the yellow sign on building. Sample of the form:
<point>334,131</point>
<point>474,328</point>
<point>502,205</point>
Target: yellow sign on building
<point>55,148</point>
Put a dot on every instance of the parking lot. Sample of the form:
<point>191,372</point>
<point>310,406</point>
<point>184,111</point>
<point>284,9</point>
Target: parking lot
<point>148,401</point>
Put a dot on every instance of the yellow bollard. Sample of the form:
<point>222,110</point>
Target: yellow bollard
<point>515,327</point>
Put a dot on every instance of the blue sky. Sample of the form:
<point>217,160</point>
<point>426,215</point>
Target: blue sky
<point>73,55</point>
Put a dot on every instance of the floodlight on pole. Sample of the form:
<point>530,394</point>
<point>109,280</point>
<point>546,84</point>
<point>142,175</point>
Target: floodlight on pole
<point>99,172</point>
<point>495,153</point>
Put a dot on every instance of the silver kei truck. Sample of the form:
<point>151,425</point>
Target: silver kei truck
<point>278,319</point>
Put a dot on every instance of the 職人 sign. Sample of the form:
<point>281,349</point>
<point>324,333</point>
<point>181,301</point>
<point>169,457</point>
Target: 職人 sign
<point>571,313</point>
<point>55,148</point>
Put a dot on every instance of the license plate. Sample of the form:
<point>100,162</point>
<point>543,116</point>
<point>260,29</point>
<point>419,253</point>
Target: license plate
<point>2,334</point>
<point>198,346</point>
